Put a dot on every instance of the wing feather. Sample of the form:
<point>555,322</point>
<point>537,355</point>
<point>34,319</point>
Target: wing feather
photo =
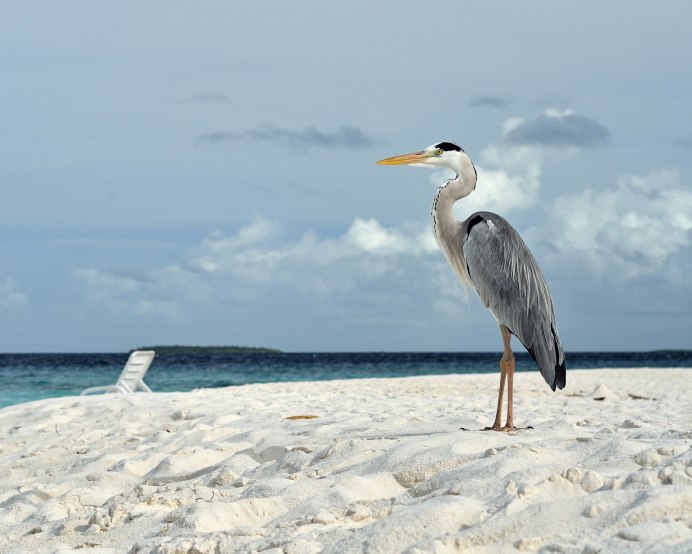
<point>510,283</point>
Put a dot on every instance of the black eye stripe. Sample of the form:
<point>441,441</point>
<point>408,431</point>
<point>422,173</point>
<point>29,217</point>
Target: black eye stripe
<point>447,146</point>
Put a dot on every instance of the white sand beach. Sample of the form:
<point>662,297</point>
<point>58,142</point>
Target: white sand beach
<point>385,467</point>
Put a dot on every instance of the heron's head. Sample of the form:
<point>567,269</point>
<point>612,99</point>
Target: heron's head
<point>441,154</point>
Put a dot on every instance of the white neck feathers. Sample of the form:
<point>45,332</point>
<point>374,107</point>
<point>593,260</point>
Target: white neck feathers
<point>445,226</point>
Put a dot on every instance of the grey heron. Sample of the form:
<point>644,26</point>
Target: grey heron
<point>486,253</point>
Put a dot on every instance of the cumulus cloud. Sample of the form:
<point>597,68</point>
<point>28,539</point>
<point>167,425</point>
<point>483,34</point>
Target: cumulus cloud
<point>556,129</point>
<point>259,265</point>
<point>635,229</point>
<point>364,250</point>
<point>10,297</point>
<point>492,102</point>
<point>344,137</point>
<point>509,178</point>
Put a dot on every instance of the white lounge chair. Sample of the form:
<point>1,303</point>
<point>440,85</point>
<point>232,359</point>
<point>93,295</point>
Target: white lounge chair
<point>131,379</point>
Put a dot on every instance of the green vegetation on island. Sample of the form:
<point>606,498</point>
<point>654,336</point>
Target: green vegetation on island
<point>181,349</point>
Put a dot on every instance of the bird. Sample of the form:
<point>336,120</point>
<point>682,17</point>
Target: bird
<point>487,254</point>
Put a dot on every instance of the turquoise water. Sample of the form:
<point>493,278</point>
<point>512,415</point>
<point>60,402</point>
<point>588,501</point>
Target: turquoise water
<point>28,377</point>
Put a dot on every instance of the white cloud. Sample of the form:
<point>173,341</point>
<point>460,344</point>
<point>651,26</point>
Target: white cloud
<point>368,265</point>
<point>509,178</point>
<point>370,236</point>
<point>633,229</point>
<point>512,182</point>
<point>10,297</point>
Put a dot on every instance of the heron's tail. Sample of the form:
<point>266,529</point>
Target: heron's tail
<point>551,361</point>
<point>560,375</point>
<point>560,367</point>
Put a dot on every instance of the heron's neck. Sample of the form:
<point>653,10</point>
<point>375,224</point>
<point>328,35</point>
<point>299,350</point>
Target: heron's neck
<point>443,220</point>
<point>446,227</point>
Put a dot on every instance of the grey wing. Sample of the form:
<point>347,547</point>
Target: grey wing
<point>511,285</point>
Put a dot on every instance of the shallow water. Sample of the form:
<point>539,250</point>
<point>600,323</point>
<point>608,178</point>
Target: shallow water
<point>27,377</point>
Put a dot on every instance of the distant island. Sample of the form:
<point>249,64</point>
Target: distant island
<point>180,349</point>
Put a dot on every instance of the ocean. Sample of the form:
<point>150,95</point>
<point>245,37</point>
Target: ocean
<point>27,377</point>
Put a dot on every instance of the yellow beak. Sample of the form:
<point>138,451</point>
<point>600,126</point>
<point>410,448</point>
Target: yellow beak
<point>413,158</point>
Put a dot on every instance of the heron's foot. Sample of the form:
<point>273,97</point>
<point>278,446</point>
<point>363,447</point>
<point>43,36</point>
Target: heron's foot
<point>493,428</point>
<point>504,429</point>
<point>510,428</point>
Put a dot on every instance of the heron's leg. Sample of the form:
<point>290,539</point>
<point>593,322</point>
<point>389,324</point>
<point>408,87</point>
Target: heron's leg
<point>498,413</point>
<point>506,363</point>
<point>508,359</point>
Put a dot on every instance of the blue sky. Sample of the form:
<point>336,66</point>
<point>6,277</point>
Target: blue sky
<point>205,174</point>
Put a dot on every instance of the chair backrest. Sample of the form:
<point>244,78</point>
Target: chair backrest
<point>136,368</point>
